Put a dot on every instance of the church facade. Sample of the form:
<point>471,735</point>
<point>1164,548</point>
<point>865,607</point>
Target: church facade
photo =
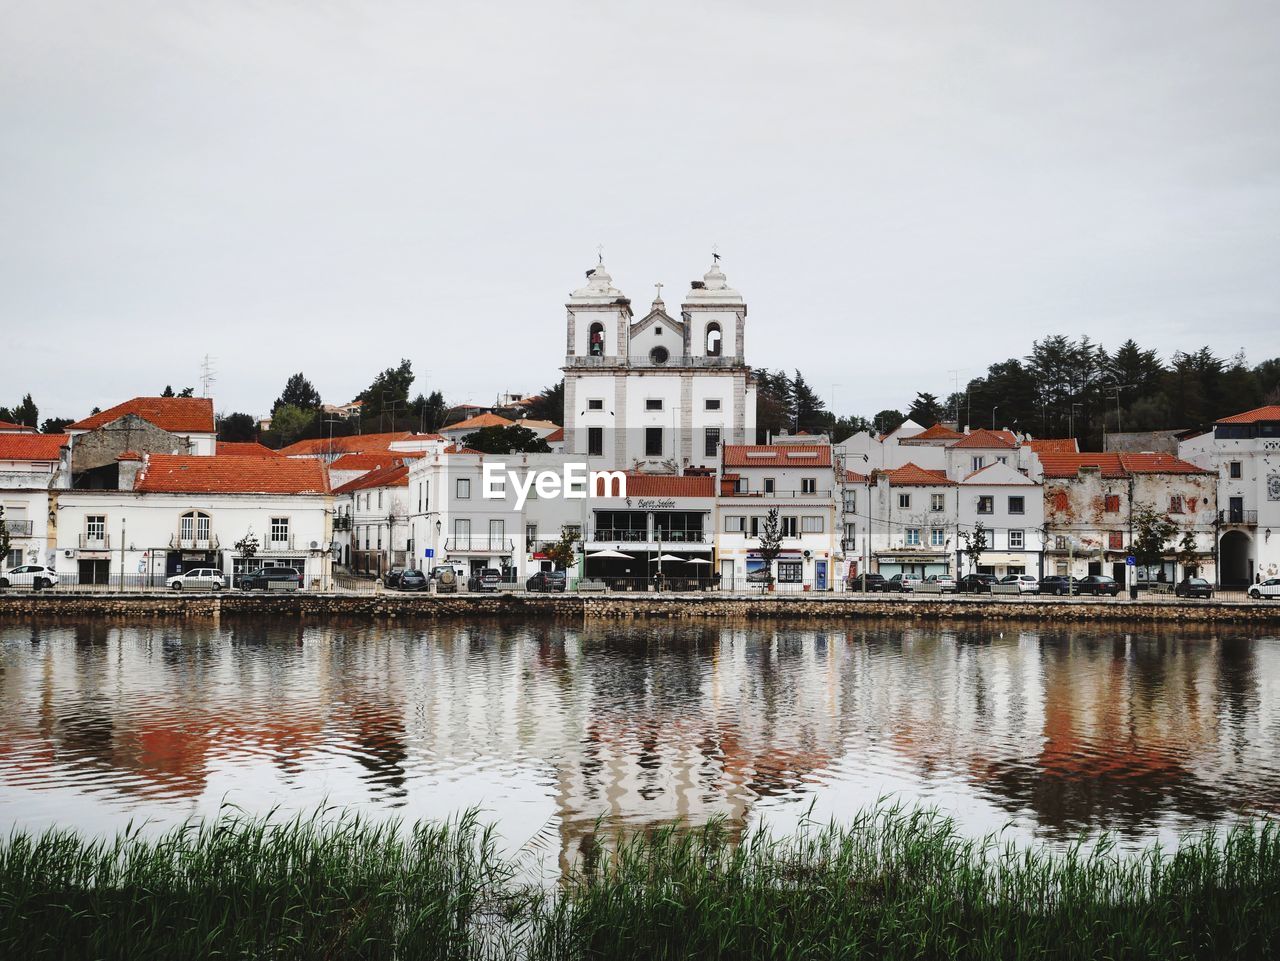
<point>659,394</point>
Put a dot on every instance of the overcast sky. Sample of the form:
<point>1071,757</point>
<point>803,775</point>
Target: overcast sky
<point>899,189</point>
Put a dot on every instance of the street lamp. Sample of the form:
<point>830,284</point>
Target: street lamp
<point>993,417</point>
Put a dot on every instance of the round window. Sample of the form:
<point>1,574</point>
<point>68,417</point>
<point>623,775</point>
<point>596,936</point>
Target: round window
<point>659,355</point>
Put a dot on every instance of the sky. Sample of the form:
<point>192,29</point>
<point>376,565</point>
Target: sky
<point>904,192</point>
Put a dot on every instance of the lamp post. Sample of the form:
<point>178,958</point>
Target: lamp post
<point>993,417</point>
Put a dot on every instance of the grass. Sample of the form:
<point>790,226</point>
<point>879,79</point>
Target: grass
<point>891,883</point>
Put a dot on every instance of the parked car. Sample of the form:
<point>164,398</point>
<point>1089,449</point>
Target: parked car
<point>1058,585</point>
<point>975,583</point>
<point>874,583</point>
<point>411,580</point>
<point>946,583</point>
<point>549,581</point>
<point>1027,583</point>
<point>29,575</point>
<point>459,571</point>
<point>1268,588</point>
<point>1193,587</point>
<point>392,577</point>
<point>271,579</point>
<point>487,579</point>
<point>199,579</point>
<point>1097,585</point>
<point>902,583</point>
<point>447,579</point>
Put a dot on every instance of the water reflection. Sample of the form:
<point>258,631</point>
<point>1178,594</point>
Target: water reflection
<point>552,728</point>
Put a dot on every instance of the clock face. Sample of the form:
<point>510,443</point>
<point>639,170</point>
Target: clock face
<point>1273,487</point>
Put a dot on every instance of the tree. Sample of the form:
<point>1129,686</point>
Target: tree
<point>1187,553</point>
<point>808,410</point>
<point>888,420</point>
<point>388,394</point>
<point>168,391</point>
<point>563,553</point>
<point>549,405</point>
<point>4,538</point>
<point>774,411</point>
<point>27,413</point>
<point>289,423</point>
<point>246,547</point>
<point>429,411</point>
<point>506,440</point>
<point>1151,533</point>
<point>770,538</point>
<point>238,427</point>
<point>925,410</point>
<point>298,392</point>
<point>187,392</point>
<point>975,542</point>
<point>55,425</point>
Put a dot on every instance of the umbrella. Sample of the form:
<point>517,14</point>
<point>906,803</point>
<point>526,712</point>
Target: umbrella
<point>626,557</point>
<point>698,560</point>
<point>670,557</point>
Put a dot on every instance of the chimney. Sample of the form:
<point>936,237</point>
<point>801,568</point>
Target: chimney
<point>129,465</point>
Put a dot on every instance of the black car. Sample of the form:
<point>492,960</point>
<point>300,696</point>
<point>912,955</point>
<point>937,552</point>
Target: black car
<point>975,583</point>
<point>392,577</point>
<point>550,581</point>
<point>1193,587</point>
<point>411,580</point>
<point>1098,584</point>
<point>271,579</point>
<point>874,583</point>
<point>487,579</point>
<point>1059,585</point>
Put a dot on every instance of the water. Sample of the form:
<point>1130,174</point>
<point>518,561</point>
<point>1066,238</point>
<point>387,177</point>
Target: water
<point>1042,733</point>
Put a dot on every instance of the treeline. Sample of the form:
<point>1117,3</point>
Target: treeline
<point>1063,388</point>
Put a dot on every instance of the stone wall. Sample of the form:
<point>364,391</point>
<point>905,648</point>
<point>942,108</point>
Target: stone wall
<point>20,606</point>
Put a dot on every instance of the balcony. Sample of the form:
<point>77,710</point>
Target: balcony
<point>811,495</point>
<point>18,528</point>
<point>630,536</point>
<point>95,542</point>
<point>479,545</point>
<point>185,542</point>
<point>278,543</point>
<point>342,522</point>
<point>1236,515</point>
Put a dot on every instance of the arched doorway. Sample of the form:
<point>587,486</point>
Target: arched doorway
<point>1235,561</point>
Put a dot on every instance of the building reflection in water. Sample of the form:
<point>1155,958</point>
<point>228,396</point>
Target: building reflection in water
<point>567,731</point>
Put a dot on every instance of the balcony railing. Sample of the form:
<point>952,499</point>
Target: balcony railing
<point>18,528</point>
<point>830,495</point>
<point>278,543</point>
<point>95,542</point>
<point>181,542</point>
<point>627,535</point>
<point>342,522</point>
<point>1238,516</point>
<point>480,543</point>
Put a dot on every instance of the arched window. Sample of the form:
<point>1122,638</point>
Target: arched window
<point>714,339</point>
<point>658,355</point>
<point>595,340</point>
<point>193,527</point>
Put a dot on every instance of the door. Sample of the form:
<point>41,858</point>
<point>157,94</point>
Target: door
<point>819,575</point>
<point>726,575</point>
<point>1235,510</point>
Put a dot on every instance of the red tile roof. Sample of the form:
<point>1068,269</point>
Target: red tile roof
<point>1255,416</point>
<point>178,415</point>
<point>239,448</point>
<point>31,446</point>
<point>371,460</point>
<point>665,485</point>
<point>1054,445</point>
<point>936,432</point>
<point>1116,466</point>
<point>477,422</point>
<point>6,425</point>
<point>188,474</point>
<point>987,440</point>
<point>555,437</point>
<point>909,475</point>
<point>392,475</point>
<point>853,477</point>
<point>780,455</point>
<point>356,444</point>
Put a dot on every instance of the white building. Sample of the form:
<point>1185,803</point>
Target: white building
<point>1244,452</point>
<point>27,465</point>
<point>1010,507</point>
<point>662,393</point>
<point>912,523</point>
<point>371,525</point>
<point>799,480</point>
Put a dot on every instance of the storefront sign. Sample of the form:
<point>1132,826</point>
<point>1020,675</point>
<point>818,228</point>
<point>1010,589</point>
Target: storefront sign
<point>649,504</point>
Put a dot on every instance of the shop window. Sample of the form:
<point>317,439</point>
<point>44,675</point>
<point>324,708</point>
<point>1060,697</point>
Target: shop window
<point>790,572</point>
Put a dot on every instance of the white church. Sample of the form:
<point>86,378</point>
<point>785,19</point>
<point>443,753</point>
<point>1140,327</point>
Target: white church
<point>658,394</point>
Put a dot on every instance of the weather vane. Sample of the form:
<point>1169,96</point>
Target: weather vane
<point>715,253</point>
<point>600,254</point>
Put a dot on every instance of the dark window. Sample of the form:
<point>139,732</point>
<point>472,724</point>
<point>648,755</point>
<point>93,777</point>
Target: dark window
<point>986,505</point>
<point>713,403</point>
<point>595,404</point>
<point>711,442</point>
<point>653,404</point>
<point>768,485</point>
<point>653,442</point>
<point>595,441</point>
<point>1236,470</point>
<point>790,572</point>
<point>1017,505</point>
<point>659,355</point>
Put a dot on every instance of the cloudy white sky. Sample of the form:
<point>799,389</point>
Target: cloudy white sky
<point>900,190</point>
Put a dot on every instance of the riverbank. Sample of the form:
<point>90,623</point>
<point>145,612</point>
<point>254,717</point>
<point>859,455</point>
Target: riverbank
<point>575,607</point>
<point>887,884</point>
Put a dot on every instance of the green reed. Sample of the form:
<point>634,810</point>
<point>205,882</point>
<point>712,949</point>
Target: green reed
<point>891,883</point>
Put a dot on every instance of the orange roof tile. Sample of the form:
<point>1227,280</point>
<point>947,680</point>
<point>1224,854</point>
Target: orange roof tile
<point>1115,466</point>
<point>178,415</point>
<point>371,460</point>
<point>987,440</point>
<point>555,437</point>
<point>31,446</point>
<point>780,455</point>
<point>936,432</point>
<point>6,425</point>
<point>188,474</point>
<point>853,477</point>
<point>392,475</point>
<point>1255,416</point>
<point>356,444</point>
<point>1054,445</point>
<point>478,422</point>
<point>665,485</point>
<point>1158,464</point>
<point>250,448</point>
<point>909,475</point>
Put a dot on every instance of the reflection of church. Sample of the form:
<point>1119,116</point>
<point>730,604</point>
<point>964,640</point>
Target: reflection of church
<point>660,393</point>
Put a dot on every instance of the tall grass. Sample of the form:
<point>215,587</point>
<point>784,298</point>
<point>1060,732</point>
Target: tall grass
<point>891,883</point>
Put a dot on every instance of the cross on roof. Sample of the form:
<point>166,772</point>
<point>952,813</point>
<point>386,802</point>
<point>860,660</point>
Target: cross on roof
<point>659,287</point>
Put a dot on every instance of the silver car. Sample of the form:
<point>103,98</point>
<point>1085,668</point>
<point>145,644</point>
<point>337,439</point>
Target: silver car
<point>199,579</point>
<point>29,575</point>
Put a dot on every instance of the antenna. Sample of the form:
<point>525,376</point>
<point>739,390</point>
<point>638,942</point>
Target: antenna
<point>207,375</point>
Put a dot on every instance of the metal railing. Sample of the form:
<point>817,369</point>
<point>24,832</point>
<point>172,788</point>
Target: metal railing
<point>18,528</point>
<point>619,535</point>
<point>828,494</point>
<point>278,544</point>
<point>1238,516</point>
<point>178,542</point>
<point>89,543</point>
